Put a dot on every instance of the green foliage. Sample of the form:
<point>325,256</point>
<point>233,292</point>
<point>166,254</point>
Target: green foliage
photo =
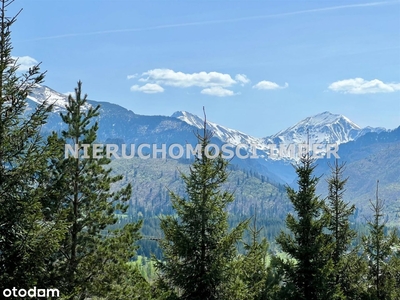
<point>145,266</point>
<point>342,236</point>
<point>261,282</point>
<point>151,180</point>
<point>307,244</point>
<point>92,259</point>
<point>26,237</point>
<point>199,251</point>
<point>380,251</point>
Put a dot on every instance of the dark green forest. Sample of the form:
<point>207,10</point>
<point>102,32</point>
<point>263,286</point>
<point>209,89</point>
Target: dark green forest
<point>78,225</point>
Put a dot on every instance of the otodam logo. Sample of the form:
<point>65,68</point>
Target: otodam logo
<point>177,151</point>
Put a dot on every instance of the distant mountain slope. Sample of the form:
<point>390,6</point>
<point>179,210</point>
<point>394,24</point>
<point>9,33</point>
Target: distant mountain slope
<point>152,178</point>
<point>225,134</point>
<point>115,121</point>
<point>374,156</point>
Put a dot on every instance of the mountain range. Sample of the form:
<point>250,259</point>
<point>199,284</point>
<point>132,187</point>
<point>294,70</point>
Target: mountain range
<point>321,128</point>
<point>358,147</point>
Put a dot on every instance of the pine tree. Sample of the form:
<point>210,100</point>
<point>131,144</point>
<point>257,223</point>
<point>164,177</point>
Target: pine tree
<point>307,246</point>
<point>27,239</point>
<point>379,248</point>
<point>199,251</point>
<point>342,236</point>
<point>92,260</point>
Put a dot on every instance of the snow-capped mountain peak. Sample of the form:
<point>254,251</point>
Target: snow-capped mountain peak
<point>189,118</point>
<point>327,118</point>
<point>42,93</point>
<point>321,128</point>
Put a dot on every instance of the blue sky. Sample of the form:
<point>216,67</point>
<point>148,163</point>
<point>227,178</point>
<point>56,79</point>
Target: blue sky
<point>257,66</point>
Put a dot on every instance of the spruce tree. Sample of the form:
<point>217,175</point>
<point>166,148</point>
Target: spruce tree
<point>92,260</point>
<point>380,251</point>
<point>199,251</point>
<point>306,245</point>
<point>27,239</point>
<point>342,235</point>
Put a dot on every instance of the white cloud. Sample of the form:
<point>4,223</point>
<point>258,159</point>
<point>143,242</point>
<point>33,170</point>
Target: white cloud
<point>242,79</point>
<point>184,80</point>
<point>212,83</point>
<point>217,91</point>
<point>25,62</point>
<point>361,86</point>
<point>132,76</point>
<point>269,85</point>
<point>148,88</point>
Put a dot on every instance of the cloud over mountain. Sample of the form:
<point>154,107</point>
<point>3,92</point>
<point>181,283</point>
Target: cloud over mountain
<point>212,83</point>
<point>180,79</point>
<point>148,88</point>
<point>25,62</point>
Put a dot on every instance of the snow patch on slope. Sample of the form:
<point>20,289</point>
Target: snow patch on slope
<point>42,93</point>
<point>225,134</point>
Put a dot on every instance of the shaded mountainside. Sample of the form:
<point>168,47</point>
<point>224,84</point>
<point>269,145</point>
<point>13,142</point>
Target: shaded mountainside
<point>151,180</point>
<point>372,157</point>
